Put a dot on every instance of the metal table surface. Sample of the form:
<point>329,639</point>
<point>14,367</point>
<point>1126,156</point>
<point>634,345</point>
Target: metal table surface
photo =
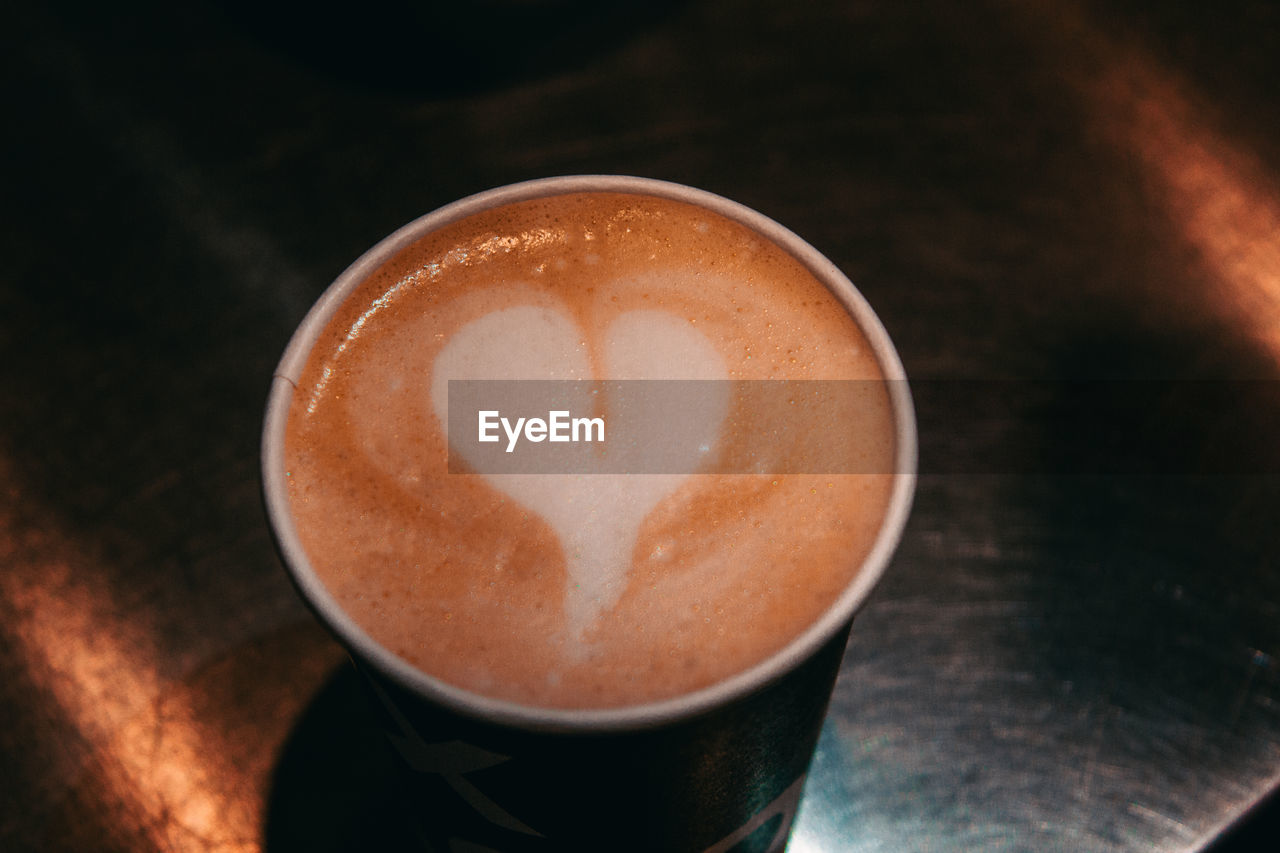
<point>1049,204</point>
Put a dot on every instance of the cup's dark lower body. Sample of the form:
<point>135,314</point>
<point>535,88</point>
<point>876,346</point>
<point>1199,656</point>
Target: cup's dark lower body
<point>726,781</point>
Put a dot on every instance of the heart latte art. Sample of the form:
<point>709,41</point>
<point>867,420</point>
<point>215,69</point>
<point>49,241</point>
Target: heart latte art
<point>576,590</point>
<point>596,517</point>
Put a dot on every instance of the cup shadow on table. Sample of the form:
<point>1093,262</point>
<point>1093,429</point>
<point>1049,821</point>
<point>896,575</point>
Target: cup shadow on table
<point>335,785</point>
<point>338,786</point>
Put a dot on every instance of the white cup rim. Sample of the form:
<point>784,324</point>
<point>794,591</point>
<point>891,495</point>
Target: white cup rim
<point>505,712</point>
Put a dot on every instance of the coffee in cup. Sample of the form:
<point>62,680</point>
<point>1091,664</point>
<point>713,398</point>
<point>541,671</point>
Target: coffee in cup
<point>513,589</point>
<point>664,640</point>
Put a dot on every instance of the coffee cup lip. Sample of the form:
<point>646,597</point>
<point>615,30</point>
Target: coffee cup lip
<point>631,717</point>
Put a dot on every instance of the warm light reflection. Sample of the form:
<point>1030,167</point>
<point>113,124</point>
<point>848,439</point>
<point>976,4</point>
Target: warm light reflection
<point>480,249</point>
<point>1221,199</point>
<point>153,760</point>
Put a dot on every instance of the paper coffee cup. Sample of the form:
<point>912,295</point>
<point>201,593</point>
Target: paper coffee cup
<point>718,769</point>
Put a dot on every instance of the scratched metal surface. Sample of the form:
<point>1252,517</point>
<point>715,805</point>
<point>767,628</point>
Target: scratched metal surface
<point>1061,658</point>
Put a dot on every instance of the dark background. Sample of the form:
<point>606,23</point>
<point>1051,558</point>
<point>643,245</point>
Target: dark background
<point>1065,655</point>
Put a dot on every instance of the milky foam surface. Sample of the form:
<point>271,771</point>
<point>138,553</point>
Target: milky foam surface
<point>589,591</point>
